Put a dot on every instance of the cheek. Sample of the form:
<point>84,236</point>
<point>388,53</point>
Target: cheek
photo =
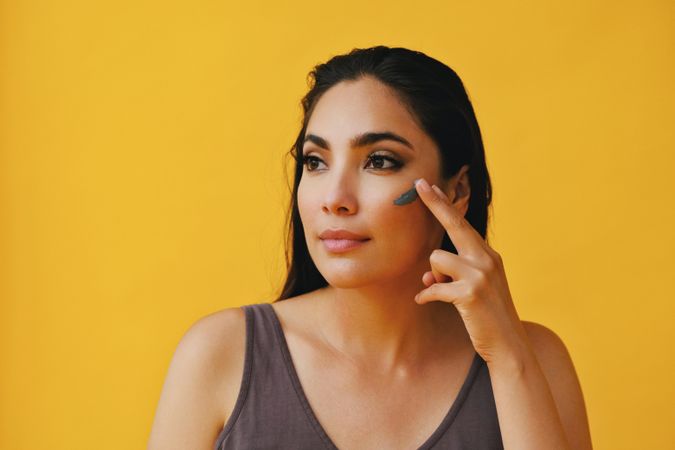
<point>409,228</point>
<point>393,220</point>
<point>305,203</point>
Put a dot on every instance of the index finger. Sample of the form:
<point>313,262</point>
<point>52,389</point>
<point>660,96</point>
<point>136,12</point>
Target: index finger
<point>462,234</point>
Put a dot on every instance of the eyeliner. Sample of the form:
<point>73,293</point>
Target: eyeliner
<point>408,196</point>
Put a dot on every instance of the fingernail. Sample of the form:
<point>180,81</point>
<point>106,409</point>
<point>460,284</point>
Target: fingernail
<point>423,185</point>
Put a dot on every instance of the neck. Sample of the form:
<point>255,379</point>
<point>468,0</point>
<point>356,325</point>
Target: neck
<point>382,327</point>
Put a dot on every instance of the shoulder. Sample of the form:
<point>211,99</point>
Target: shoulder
<point>552,355</point>
<point>198,383</point>
<point>208,346</point>
<point>212,350</point>
<point>214,333</point>
<point>558,369</point>
<point>551,352</point>
<point>544,340</point>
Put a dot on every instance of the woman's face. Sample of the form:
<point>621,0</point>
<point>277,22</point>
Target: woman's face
<point>354,187</point>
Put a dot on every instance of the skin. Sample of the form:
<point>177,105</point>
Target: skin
<point>368,308</point>
<point>364,344</point>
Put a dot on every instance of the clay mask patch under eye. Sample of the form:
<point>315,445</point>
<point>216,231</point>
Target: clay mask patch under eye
<point>407,197</point>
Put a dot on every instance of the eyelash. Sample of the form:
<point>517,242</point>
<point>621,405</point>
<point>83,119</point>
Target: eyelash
<point>396,163</point>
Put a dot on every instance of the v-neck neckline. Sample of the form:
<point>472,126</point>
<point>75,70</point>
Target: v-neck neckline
<point>427,444</point>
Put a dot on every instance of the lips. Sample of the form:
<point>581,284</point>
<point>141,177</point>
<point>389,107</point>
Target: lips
<point>343,245</point>
<point>341,233</point>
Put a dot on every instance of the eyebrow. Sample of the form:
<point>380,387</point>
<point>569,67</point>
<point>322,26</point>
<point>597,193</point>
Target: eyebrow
<point>362,140</point>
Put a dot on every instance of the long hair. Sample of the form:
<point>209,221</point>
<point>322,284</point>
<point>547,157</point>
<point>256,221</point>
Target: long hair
<point>435,96</point>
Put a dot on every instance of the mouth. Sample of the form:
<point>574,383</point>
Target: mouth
<point>343,245</point>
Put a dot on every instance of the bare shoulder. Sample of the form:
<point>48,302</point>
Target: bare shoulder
<point>214,345</point>
<point>544,339</point>
<point>206,365</point>
<point>558,368</point>
<point>218,332</point>
<point>552,353</point>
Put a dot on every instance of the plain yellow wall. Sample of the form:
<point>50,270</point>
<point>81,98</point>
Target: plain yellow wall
<point>142,187</point>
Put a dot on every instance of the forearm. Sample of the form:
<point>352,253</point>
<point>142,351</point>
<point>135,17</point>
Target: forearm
<point>528,417</point>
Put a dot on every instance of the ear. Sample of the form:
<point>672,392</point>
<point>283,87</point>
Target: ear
<point>459,189</point>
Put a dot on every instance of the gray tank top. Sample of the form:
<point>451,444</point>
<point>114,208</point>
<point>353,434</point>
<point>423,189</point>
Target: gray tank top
<point>272,411</point>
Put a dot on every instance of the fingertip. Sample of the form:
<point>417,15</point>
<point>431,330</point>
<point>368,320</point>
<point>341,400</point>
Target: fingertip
<point>428,278</point>
<point>422,185</point>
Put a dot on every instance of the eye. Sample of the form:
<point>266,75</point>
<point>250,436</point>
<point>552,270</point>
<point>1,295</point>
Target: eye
<point>380,157</point>
<point>376,158</point>
<point>306,159</point>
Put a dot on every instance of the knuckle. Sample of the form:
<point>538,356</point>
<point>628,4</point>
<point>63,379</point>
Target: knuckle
<point>491,264</point>
<point>486,262</point>
<point>481,278</point>
<point>494,254</point>
<point>471,293</point>
<point>464,289</point>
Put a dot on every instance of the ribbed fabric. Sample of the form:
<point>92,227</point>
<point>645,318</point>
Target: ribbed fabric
<point>272,411</point>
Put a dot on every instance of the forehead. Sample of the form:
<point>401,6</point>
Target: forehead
<point>365,105</point>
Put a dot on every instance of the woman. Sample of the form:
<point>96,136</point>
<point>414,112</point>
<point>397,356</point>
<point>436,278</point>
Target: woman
<point>395,328</point>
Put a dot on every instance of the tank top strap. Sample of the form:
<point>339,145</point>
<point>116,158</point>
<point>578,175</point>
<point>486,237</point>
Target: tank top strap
<point>268,357</point>
<point>268,412</point>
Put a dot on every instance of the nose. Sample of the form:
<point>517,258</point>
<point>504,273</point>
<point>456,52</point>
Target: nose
<point>340,194</point>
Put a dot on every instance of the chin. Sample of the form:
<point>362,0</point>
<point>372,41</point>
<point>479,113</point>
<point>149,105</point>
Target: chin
<point>352,275</point>
<point>350,282</point>
<point>347,274</point>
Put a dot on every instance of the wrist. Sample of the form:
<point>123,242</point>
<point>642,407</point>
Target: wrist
<point>513,360</point>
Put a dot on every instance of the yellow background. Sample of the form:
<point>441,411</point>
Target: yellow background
<point>142,187</point>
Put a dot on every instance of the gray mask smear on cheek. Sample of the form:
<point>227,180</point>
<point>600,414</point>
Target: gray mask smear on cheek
<point>407,197</point>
